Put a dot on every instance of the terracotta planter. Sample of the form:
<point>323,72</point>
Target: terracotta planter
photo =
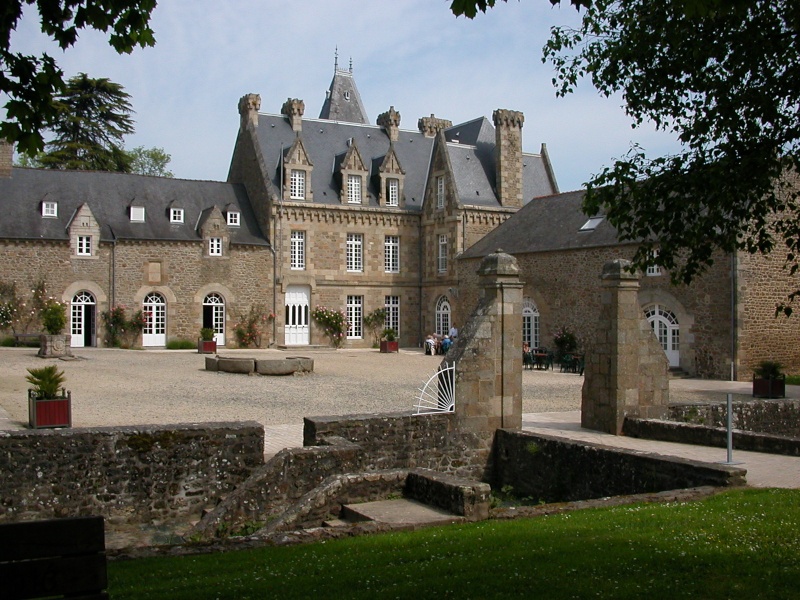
<point>50,412</point>
<point>769,388</point>
<point>390,346</point>
<point>207,346</point>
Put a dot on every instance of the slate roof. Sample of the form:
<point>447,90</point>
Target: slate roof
<point>109,195</point>
<point>342,100</point>
<point>326,143</point>
<point>545,224</point>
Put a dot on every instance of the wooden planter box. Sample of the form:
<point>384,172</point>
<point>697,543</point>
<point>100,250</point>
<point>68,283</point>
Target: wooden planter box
<point>207,346</point>
<point>53,412</point>
<point>390,346</point>
<point>769,388</point>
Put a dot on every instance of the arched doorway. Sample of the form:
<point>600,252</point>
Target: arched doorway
<point>667,329</point>
<point>214,316</point>
<point>155,328</point>
<point>442,315</point>
<point>83,320</point>
<point>296,332</point>
<point>530,323</point>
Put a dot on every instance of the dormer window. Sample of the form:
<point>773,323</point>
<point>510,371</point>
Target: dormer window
<point>176,215</point>
<point>392,192</point>
<point>215,246</point>
<point>354,189</point>
<point>297,185</point>
<point>137,214</point>
<point>440,192</point>
<point>49,209</point>
<point>234,218</point>
<point>84,245</point>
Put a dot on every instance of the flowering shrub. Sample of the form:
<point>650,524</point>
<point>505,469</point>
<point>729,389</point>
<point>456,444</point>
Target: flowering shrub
<point>251,326</point>
<point>120,330</point>
<point>333,322</point>
<point>53,316</point>
<point>565,341</point>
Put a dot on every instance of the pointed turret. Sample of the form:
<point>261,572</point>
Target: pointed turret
<point>342,100</point>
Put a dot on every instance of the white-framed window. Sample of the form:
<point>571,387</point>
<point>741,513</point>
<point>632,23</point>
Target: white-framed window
<point>392,192</point>
<point>298,250</point>
<point>392,306</point>
<point>84,245</point>
<point>176,215</point>
<point>354,189</point>
<point>391,253</point>
<point>355,314</point>
<point>215,246</point>
<point>137,214</point>
<point>355,252</point>
<point>442,262</point>
<point>443,316</point>
<point>530,323</point>
<point>234,218</point>
<point>297,184</point>
<point>592,223</point>
<point>49,209</point>
<point>440,191</point>
<point>653,270</point>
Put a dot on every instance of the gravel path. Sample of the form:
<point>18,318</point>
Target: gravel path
<point>128,387</point>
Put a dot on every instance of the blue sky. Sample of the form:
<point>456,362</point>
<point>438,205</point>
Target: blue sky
<point>410,54</point>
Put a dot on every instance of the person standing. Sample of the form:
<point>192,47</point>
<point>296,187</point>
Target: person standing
<point>453,333</point>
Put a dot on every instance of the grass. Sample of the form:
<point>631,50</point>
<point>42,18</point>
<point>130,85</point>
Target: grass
<point>739,544</point>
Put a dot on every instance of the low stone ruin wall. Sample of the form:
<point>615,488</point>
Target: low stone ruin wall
<point>551,469</point>
<point>144,473</point>
<point>776,417</point>
<point>260,366</point>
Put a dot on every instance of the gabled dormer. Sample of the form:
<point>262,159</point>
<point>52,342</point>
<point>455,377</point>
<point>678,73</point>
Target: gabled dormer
<point>176,213</point>
<point>297,173</point>
<point>84,233</point>
<point>233,216</point>
<point>354,175</point>
<point>213,228</point>
<point>391,176</point>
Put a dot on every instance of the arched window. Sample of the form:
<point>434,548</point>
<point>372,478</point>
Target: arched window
<point>214,316</point>
<point>442,315</point>
<point>530,323</point>
<point>667,330</point>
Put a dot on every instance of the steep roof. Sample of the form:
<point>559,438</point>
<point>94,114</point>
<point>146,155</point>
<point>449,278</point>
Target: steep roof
<point>109,196</point>
<point>546,224</point>
<point>342,100</point>
<point>327,143</point>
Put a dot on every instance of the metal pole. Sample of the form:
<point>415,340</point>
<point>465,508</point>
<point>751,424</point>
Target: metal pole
<point>730,429</point>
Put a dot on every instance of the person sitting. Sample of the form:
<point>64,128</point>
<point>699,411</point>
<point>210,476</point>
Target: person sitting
<point>430,344</point>
<point>446,343</point>
<point>527,356</point>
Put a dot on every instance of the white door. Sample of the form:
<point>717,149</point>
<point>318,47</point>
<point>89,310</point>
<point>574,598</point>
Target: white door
<point>297,315</point>
<point>665,325</point>
<point>82,320</point>
<point>214,316</point>
<point>155,329</point>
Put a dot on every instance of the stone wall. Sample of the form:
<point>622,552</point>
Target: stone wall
<point>552,469</point>
<point>146,473</point>
<point>776,417</point>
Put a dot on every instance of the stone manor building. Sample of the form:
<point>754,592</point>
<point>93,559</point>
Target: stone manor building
<point>329,211</point>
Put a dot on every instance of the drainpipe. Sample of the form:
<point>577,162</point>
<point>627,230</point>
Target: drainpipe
<point>502,354</point>
<point>734,321</point>
<point>274,295</point>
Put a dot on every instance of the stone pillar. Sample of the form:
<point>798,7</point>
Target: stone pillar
<point>488,352</point>
<point>430,126</point>
<point>249,105</point>
<point>390,121</point>
<point>508,156</point>
<point>294,109</point>
<point>626,369</point>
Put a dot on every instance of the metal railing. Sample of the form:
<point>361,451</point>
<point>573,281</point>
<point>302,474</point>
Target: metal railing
<point>439,393</point>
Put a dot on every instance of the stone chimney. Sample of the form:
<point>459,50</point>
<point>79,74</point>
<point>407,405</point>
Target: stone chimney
<point>390,121</point>
<point>249,105</point>
<point>294,109</point>
<point>508,156</point>
<point>430,126</point>
<point>6,154</point>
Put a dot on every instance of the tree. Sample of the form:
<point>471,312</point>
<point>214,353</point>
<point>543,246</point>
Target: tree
<point>150,161</point>
<point>724,77</point>
<point>93,117</point>
<point>32,82</point>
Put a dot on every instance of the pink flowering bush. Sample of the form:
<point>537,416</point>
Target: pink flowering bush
<point>333,323</point>
<point>120,330</point>
<point>252,325</point>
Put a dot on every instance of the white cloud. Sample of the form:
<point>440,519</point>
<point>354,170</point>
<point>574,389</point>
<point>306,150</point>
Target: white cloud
<point>413,55</point>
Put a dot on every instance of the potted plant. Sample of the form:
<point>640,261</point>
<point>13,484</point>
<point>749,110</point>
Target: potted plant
<point>389,341</point>
<point>207,344</point>
<point>53,316</point>
<point>46,408</point>
<point>769,381</point>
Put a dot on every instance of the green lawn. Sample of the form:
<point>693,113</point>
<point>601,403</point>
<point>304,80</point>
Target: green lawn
<point>739,544</point>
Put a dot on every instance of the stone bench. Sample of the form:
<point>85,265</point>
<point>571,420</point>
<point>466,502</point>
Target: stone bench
<point>260,366</point>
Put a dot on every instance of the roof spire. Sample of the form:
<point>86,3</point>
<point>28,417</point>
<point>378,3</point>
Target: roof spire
<point>351,64</point>
<point>336,59</point>
<point>342,100</point>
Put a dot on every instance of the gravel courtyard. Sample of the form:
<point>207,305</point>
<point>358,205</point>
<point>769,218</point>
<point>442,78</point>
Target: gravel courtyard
<point>130,387</point>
